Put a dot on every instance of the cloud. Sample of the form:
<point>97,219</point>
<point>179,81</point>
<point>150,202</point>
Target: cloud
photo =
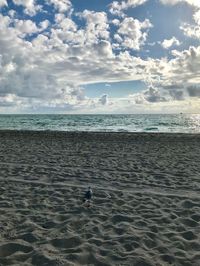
<point>116,22</point>
<point>130,33</point>
<point>182,68</point>
<point>8,100</point>
<point>104,49</point>
<point>25,27</point>
<point>30,6</point>
<point>78,92</point>
<point>117,7</point>
<point>196,17</point>
<point>3,3</point>
<point>61,5</point>
<point>50,67</point>
<point>164,94</point>
<point>96,28</point>
<point>174,76</point>
<point>96,25</point>
<point>45,64</point>
<point>194,91</point>
<point>167,43</point>
<point>55,66</point>
<point>194,3</point>
<point>153,95</point>
<point>177,95</point>
<point>65,23</point>
<point>186,65</point>
<point>192,30</point>
<point>11,13</point>
<point>103,99</point>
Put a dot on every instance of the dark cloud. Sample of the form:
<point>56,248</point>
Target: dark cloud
<point>177,94</point>
<point>193,91</point>
<point>153,95</point>
<point>104,99</point>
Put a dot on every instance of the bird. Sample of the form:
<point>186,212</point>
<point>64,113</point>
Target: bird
<point>88,195</point>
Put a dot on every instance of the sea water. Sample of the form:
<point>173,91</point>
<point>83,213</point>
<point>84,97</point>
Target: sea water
<point>181,123</point>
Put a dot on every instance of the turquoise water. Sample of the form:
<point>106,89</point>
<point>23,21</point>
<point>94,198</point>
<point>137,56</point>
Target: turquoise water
<point>184,123</point>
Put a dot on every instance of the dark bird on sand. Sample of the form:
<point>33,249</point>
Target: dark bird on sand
<point>88,195</point>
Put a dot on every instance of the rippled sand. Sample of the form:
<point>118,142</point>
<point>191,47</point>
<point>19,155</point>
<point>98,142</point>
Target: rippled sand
<point>145,210</point>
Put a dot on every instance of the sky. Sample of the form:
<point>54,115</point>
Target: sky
<point>91,56</point>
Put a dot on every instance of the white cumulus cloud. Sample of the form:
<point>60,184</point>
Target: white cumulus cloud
<point>61,5</point>
<point>195,3</point>
<point>117,7</point>
<point>30,6</point>
<point>3,3</point>
<point>97,24</point>
<point>192,30</point>
<point>167,43</point>
<point>131,31</point>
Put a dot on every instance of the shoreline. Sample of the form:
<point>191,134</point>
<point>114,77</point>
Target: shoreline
<point>63,132</point>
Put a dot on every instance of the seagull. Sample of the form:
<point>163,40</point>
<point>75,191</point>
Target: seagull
<point>88,194</point>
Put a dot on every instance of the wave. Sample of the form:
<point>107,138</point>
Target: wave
<point>151,128</point>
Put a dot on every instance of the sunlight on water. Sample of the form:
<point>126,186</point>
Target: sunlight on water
<point>195,122</point>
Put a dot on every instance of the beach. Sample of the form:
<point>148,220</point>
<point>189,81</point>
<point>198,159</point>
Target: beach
<point>145,209</point>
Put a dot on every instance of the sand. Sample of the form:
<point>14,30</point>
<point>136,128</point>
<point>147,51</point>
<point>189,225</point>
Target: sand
<point>145,210</point>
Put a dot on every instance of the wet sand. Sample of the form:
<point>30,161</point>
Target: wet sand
<point>145,209</point>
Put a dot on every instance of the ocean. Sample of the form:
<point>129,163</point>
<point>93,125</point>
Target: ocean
<point>177,123</point>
